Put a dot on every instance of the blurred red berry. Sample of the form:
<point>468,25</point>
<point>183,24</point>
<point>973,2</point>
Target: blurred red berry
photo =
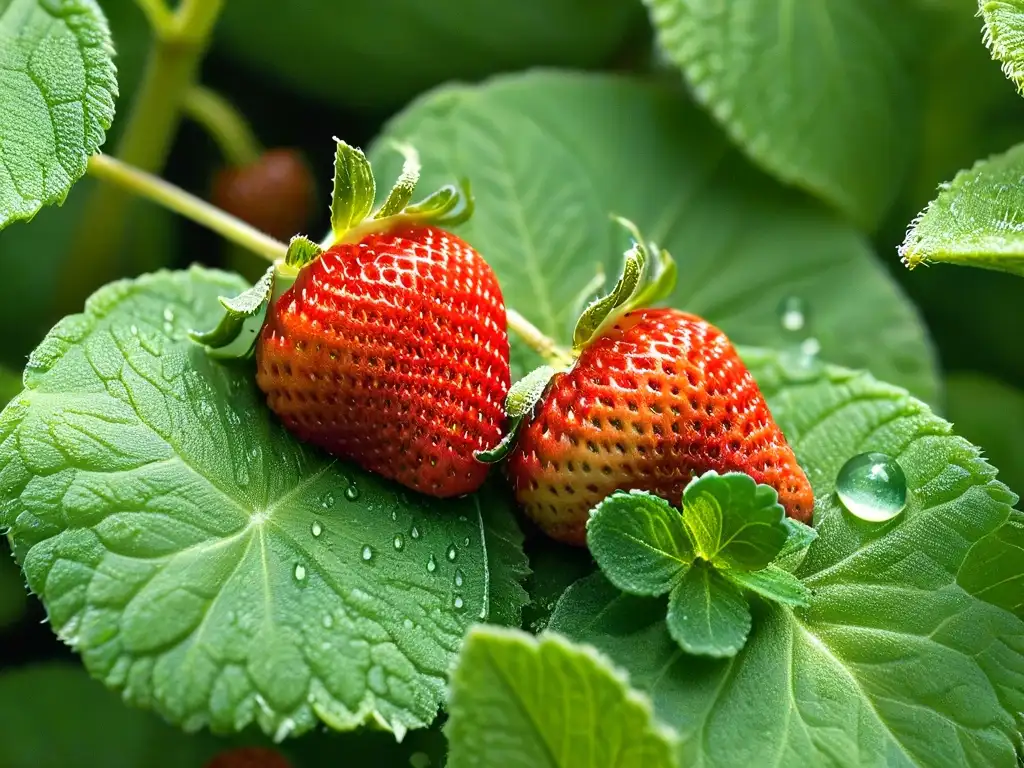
<point>249,757</point>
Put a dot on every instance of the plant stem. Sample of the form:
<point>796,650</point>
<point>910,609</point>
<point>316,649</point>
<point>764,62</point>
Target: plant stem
<point>129,179</point>
<point>180,42</point>
<point>556,356</point>
<point>158,14</point>
<point>224,123</point>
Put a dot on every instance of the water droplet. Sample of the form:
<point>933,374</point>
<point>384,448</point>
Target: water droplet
<point>459,603</point>
<point>300,572</point>
<point>431,564</point>
<point>452,553</point>
<point>809,348</point>
<point>415,532</point>
<point>316,528</point>
<point>328,621</point>
<point>793,314</point>
<point>872,486</point>
<point>352,492</point>
<point>399,542</point>
<point>407,623</point>
<point>460,577</point>
<point>327,501</point>
<point>394,515</point>
<point>367,552</point>
<point>168,314</point>
<point>134,329</point>
<point>465,542</point>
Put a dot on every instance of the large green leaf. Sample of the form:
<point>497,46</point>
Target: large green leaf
<point>817,93</point>
<point>550,154</point>
<point>206,563</point>
<point>976,219</point>
<point>523,702</point>
<point>893,663</point>
<point>57,89</point>
<point>1004,34</point>
<point>395,49</point>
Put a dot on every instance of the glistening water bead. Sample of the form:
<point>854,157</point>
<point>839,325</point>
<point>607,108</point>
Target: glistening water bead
<point>872,486</point>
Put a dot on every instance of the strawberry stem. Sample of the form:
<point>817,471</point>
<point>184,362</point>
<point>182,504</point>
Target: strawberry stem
<point>557,356</point>
<point>181,202</point>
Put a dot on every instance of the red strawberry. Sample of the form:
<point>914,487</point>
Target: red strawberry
<point>393,352</point>
<point>655,399</point>
<point>249,757</point>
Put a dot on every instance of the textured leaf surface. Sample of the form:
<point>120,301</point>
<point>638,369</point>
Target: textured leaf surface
<point>524,702</point>
<point>1004,35</point>
<point>976,221</point>
<point>208,565</point>
<point>707,615</point>
<point>894,663</point>
<point>640,542</point>
<point>57,89</point>
<point>816,92</point>
<point>550,155</point>
<point>773,583</point>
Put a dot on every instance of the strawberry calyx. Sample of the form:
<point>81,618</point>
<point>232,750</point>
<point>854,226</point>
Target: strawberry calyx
<point>355,189</point>
<point>520,402</point>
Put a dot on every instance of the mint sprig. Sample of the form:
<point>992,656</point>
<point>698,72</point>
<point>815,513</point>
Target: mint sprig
<point>705,557</point>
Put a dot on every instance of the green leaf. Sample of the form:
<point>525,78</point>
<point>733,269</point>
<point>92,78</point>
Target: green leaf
<point>819,95</point>
<point>522,396</point>
<point>209,566</point>
<point>523,702</point>
<point>795,549</point>
<point>975,220</point>
<point>1004,35</point>
<point>894,662</point>
<point>301,251</point>
<point>57,88</point>
<point>554,568</point>
<point>550,156</point>
<point>401,193</point>
<point>639,541</point>
<point>773,583</point>
<point>354,189</point>
<point>243,317</point>
<point>733,521</point>
<point>1001,552</point>
<point>707,615</point>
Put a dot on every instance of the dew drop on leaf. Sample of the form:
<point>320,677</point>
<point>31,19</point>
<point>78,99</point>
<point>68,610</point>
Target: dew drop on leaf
<point>465,542</point>
<point>452,553</point>
<point>407,623</point>
<point>399,542</point>
<point>328,621</point>
<point>873,487</point>
<point>316,529</point>
<point>300,572</point>
<point>793,314</point>
<point>134,329</point>
<point>327,501</point>
<point>367,552</point>
<point>168,314</point>
<point>459,603</point>
<point>415,532</point>
<point>352,492</point>
<point>431,564</point>
<point>460,577</point>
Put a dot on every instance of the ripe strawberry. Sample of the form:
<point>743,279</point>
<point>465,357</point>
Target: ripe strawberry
<point>249,757</point>
<point>658,397</point>
<point>393,352</point>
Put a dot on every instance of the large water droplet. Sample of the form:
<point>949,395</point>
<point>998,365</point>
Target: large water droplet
<point>300,572</point>
<point>431,564</point>
<point>399,542</point>
<point>327,500</point>
<point>793,314</point>
<point>460,577</point>
<point>415,532</point>
<point>316,529</point>
<point>452,553</point>
<point>459,603</point>
<point>352,492</point>
<point>872,486</point>
<point>367,552</point>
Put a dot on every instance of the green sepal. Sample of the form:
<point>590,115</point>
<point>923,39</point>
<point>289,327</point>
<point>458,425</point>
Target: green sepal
<point>241,313</point>
<point>400,195</point>
<point>302,251</point>
<point>449,206</point>
<point>354,189</point>
<point>648,276</point>
<point>520,401</point>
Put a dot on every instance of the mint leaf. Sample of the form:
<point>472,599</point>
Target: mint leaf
<point>209,566</point>
<point>707,615</point>
<point>733,521</point>
<point>640,542</point>
<point>550,158</point>
<point>354,189</point>
<point>57,89</point>
<point>773,583</point>
<point>890,630</point>
<point>1004,35</point>
<point>520,701</point>
<point>974,220</point>
<point>840,93</point>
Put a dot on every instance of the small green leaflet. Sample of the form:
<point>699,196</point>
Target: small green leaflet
<point>519,701</point>
<point>301,251</point>
<point>520,401</point>
<point>771,582</point>
<point>707,615</point>
<point>57,88</point>
<point>734,522</point>
<point>977,220</point>
<point>239,327</point>
<point>400,195</point>
<point>644,280</point>
<point>354,189</point>
<point>211,567</point>
<point>800,537</point>
<point>1004,35</point>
